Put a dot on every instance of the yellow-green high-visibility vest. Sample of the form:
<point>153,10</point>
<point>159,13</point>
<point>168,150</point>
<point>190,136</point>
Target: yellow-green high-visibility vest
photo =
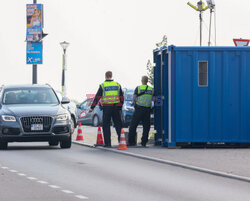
<point>110,94</point>
<point>145,100</point>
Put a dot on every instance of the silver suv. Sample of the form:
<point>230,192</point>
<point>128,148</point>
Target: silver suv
<point>33,113</point>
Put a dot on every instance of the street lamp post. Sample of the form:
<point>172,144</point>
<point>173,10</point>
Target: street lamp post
<point>64,45</point>
<point>34,66</point>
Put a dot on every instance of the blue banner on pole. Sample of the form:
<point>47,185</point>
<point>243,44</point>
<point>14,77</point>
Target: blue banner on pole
<point>34,53</point>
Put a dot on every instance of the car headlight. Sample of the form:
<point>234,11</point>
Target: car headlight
<point>8,118</point>
<point>129,108</point>
<point>62,117</point>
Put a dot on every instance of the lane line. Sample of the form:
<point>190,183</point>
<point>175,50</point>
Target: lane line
<point>82,197</point>
<point>67,191</point>
<point>31,178</point>
<point>45,182</point>
<point>5,168</point>
<point>13,171</point>
<point>54,186</point>
<point>42,182</point>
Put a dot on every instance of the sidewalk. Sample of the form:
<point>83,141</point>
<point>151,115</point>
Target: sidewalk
<point>230,161</point>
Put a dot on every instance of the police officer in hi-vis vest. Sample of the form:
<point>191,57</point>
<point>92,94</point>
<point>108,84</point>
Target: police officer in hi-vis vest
<point>142,98</point>
<point>111,95</point>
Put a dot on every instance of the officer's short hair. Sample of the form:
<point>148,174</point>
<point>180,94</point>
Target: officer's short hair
<point>108,74</point>
<point>144,79</point>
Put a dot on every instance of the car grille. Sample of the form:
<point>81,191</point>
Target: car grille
<point>28,121</point>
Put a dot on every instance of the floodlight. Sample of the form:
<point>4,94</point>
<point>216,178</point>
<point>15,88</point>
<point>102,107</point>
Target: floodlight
<point>200,5</point>
<point>211,4</point>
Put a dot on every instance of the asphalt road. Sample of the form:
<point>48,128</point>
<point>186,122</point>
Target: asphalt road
<point>37,172</point>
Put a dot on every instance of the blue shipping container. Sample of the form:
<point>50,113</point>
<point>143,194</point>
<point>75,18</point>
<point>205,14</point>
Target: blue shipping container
<point>205,95</point>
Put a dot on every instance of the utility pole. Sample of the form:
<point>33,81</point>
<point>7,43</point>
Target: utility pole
<point>200,28</point>
<point>34,66</point>
<point>211,6</point>
<point>34,37</point>
<point>201,8</point>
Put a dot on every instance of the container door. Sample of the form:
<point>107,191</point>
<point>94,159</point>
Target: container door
<point>157,93</point>
<point>164,95</point>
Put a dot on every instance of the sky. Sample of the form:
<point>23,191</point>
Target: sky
<point>116,35</point>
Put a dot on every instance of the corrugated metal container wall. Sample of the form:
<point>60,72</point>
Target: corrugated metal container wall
<point>209,90</point>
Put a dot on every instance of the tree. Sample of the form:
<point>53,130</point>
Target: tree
<point>150,67</point>
<point>150,73</point>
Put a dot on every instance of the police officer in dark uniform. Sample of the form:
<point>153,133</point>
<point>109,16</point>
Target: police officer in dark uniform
<point>143,97</point>
<point>111,95</point>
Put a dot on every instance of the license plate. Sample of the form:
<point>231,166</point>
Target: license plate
<point>36,127</point>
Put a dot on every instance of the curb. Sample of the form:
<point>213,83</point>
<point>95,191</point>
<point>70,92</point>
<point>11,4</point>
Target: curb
<point>83,144</point>
<point>172,163</point>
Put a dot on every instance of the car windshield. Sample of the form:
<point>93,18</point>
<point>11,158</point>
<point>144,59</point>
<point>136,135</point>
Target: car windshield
<point>129,95</point>
<point>29,96</point>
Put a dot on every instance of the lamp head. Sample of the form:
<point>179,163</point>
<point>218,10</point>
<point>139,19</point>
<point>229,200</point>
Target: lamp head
<point>211,4</point>
<point>64,45</point>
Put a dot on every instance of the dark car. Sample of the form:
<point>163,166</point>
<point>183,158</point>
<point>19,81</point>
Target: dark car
<point>128,108</point>
<point>33,113</point>
<point>94,118</point>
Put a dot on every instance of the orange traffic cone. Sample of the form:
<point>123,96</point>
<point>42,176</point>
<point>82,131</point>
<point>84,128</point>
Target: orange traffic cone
<point>99,140</point>
<point>79,132</point>
<point>122,145</point>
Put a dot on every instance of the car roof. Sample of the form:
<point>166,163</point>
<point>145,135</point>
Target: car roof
<point>26,86</point>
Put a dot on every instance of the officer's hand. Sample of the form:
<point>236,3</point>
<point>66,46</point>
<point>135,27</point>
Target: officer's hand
<point>90,110</point>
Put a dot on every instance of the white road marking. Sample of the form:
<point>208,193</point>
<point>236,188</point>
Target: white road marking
<point>45,182</point>
<point>42,182</point>
<point>31,178</point>
<point>5,168</point>
<point>54,186</point>
<point>82,197</point>
<point>67,191</point>
<point>13,171</point>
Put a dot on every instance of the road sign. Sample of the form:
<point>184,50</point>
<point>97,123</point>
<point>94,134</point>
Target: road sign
<point>34,53</point>
<point>241,42</point>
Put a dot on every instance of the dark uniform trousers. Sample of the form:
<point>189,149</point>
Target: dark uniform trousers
<point>141,114</point>
<point>114,113</point>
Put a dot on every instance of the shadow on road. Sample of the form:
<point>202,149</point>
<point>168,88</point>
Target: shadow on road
<point>31,147</point>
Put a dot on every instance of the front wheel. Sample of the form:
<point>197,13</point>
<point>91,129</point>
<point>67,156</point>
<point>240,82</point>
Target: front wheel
<point>3,145</point>
<point>72,124</point>
<point>66,144</point>
<point>95,121</point>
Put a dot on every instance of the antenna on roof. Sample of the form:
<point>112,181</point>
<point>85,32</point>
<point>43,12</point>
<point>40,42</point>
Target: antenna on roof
<point>211,6</point>
<point>201,8</point>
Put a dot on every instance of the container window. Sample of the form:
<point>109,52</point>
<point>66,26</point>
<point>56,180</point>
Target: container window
<point>203,73</point>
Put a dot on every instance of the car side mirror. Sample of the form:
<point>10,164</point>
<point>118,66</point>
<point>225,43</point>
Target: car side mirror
<point>78,106</point>
<point>65,100</point>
